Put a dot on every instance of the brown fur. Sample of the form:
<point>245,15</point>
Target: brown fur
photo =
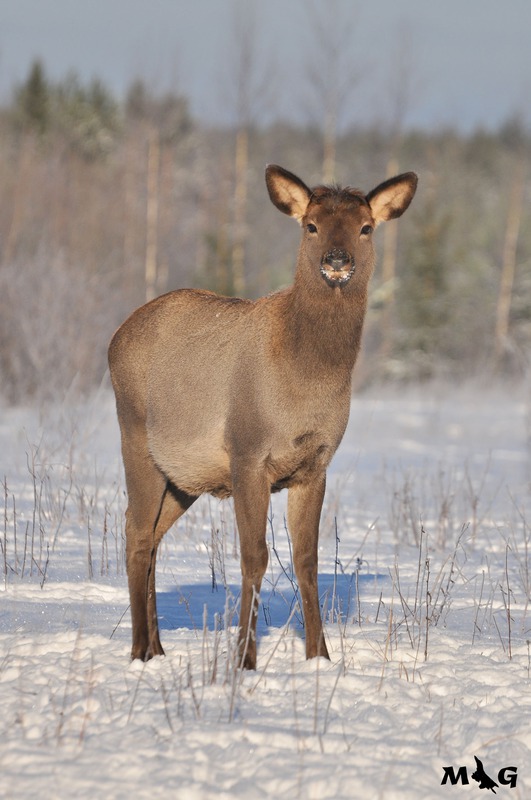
<point>242,398</point>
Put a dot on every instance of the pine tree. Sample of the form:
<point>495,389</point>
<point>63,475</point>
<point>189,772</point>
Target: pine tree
<point>32,101</point>
<point>423,301</point>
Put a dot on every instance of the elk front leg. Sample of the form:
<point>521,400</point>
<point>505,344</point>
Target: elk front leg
<point>304,512</point>
<point>251,493</point>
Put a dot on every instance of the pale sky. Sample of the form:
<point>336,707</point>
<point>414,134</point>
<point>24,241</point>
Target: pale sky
<point>469,61</point>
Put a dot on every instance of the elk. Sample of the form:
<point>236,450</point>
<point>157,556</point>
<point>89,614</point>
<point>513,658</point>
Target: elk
<point>244,398</point>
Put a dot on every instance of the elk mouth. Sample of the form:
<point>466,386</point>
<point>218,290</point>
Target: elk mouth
<point>337,267</point>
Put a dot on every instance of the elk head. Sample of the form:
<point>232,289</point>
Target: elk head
<point>337,224</point>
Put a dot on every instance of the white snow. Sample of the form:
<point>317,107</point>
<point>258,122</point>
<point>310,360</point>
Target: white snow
<point>425,577</point>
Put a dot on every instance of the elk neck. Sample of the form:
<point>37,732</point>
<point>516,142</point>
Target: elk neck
<point>322,326</point>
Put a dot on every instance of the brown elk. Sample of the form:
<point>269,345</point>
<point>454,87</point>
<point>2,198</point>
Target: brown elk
<point>244,398</point>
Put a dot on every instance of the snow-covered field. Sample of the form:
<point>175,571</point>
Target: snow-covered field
<point>425,578</point>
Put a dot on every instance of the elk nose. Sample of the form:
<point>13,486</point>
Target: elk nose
<point>337,259</point>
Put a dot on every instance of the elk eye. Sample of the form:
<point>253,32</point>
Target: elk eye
<point>366,230</point>
<point>311,228</point>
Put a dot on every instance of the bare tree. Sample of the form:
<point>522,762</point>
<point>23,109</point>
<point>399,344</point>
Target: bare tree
<point>252,79</point>
<point>331,71</point>
<point>152,213</point>
<point>402,89</point>
<point>508,266</point>
<point>25,167</point>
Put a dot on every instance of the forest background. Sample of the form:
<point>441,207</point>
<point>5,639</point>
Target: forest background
<point>107,201</point>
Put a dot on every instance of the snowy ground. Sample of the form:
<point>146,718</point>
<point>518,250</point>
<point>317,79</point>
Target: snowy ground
<point>425,578</point>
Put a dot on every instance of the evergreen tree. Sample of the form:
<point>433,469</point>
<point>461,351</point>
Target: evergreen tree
<point>88,117</point>
<point>32,101</point>
<point>169,112</point>
<point>423,301</point>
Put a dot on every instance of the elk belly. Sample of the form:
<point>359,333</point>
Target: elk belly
<point>197,467</point>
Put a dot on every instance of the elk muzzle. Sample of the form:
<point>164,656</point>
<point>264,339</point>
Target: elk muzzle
<point>337,267</point>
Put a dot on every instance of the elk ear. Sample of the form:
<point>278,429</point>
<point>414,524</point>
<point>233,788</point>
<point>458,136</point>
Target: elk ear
<point>287,192</point>
<point>391,198</point>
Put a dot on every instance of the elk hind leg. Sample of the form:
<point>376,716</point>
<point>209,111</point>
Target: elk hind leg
<point>154,505</point>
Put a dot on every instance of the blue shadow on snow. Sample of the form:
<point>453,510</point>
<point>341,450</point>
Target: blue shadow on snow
<point>186,606</point>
